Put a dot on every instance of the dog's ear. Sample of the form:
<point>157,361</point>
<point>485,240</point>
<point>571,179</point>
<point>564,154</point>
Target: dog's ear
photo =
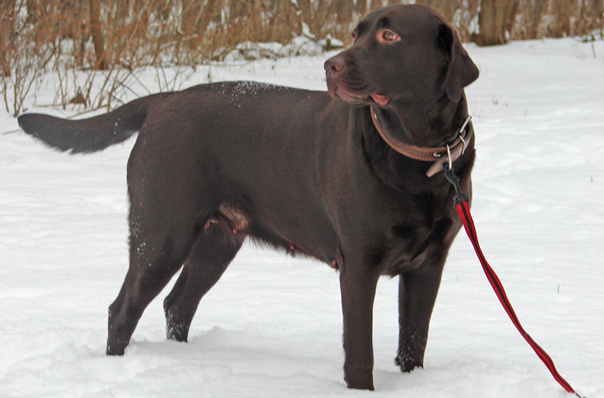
<point>461,70</point>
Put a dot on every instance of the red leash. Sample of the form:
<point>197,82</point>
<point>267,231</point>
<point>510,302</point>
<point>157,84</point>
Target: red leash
<point>461,204</point>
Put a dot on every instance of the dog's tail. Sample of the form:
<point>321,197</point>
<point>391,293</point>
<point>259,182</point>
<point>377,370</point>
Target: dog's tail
<point>92,134</point>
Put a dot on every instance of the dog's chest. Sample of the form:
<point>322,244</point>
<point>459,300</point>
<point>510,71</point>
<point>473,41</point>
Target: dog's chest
<point>411,246</point>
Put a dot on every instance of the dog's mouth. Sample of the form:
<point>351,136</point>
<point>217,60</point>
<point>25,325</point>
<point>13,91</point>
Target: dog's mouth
<point>340,91</point>
<point>350,84</point>
<point>380,99</point>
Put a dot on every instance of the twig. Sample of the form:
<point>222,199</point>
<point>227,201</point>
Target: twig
<point>12,132</point>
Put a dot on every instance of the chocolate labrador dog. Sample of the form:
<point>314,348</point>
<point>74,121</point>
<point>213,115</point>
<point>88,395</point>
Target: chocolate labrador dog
<point>341,177</point>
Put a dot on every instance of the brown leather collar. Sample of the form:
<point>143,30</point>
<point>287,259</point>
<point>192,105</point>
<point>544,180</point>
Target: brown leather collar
<point>438,155</point>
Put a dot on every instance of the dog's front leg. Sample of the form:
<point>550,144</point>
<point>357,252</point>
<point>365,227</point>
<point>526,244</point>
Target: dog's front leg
<point>417,295</point>
<point>358,284</point>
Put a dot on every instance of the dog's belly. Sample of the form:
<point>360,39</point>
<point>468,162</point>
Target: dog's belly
<point>296,230</point>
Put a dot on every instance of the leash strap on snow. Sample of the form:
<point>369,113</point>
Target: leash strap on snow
<point>462,207</point>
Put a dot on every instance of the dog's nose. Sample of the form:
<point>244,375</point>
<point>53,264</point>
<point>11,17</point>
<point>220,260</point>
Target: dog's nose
<point>334,65</point>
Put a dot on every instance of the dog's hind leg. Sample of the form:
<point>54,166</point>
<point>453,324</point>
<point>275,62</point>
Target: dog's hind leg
<point>163,230</point>
<point>215,248</point>
<point>169,204</point>
<point>153,261</point>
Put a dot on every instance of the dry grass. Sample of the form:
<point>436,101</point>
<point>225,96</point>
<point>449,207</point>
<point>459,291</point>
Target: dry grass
<point>38,37</point>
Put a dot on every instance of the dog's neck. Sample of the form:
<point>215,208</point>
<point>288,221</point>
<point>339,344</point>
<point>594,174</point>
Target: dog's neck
<point>439,156</point>
<point>412,124</point>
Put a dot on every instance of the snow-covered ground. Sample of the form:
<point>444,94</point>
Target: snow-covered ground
<point>272,326</point>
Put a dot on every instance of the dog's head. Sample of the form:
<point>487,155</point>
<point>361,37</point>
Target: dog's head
<point>401,53</point>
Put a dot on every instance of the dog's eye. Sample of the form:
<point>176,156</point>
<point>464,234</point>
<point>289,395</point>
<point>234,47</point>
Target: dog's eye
<point>354,36</point>
<point>387,36</point>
